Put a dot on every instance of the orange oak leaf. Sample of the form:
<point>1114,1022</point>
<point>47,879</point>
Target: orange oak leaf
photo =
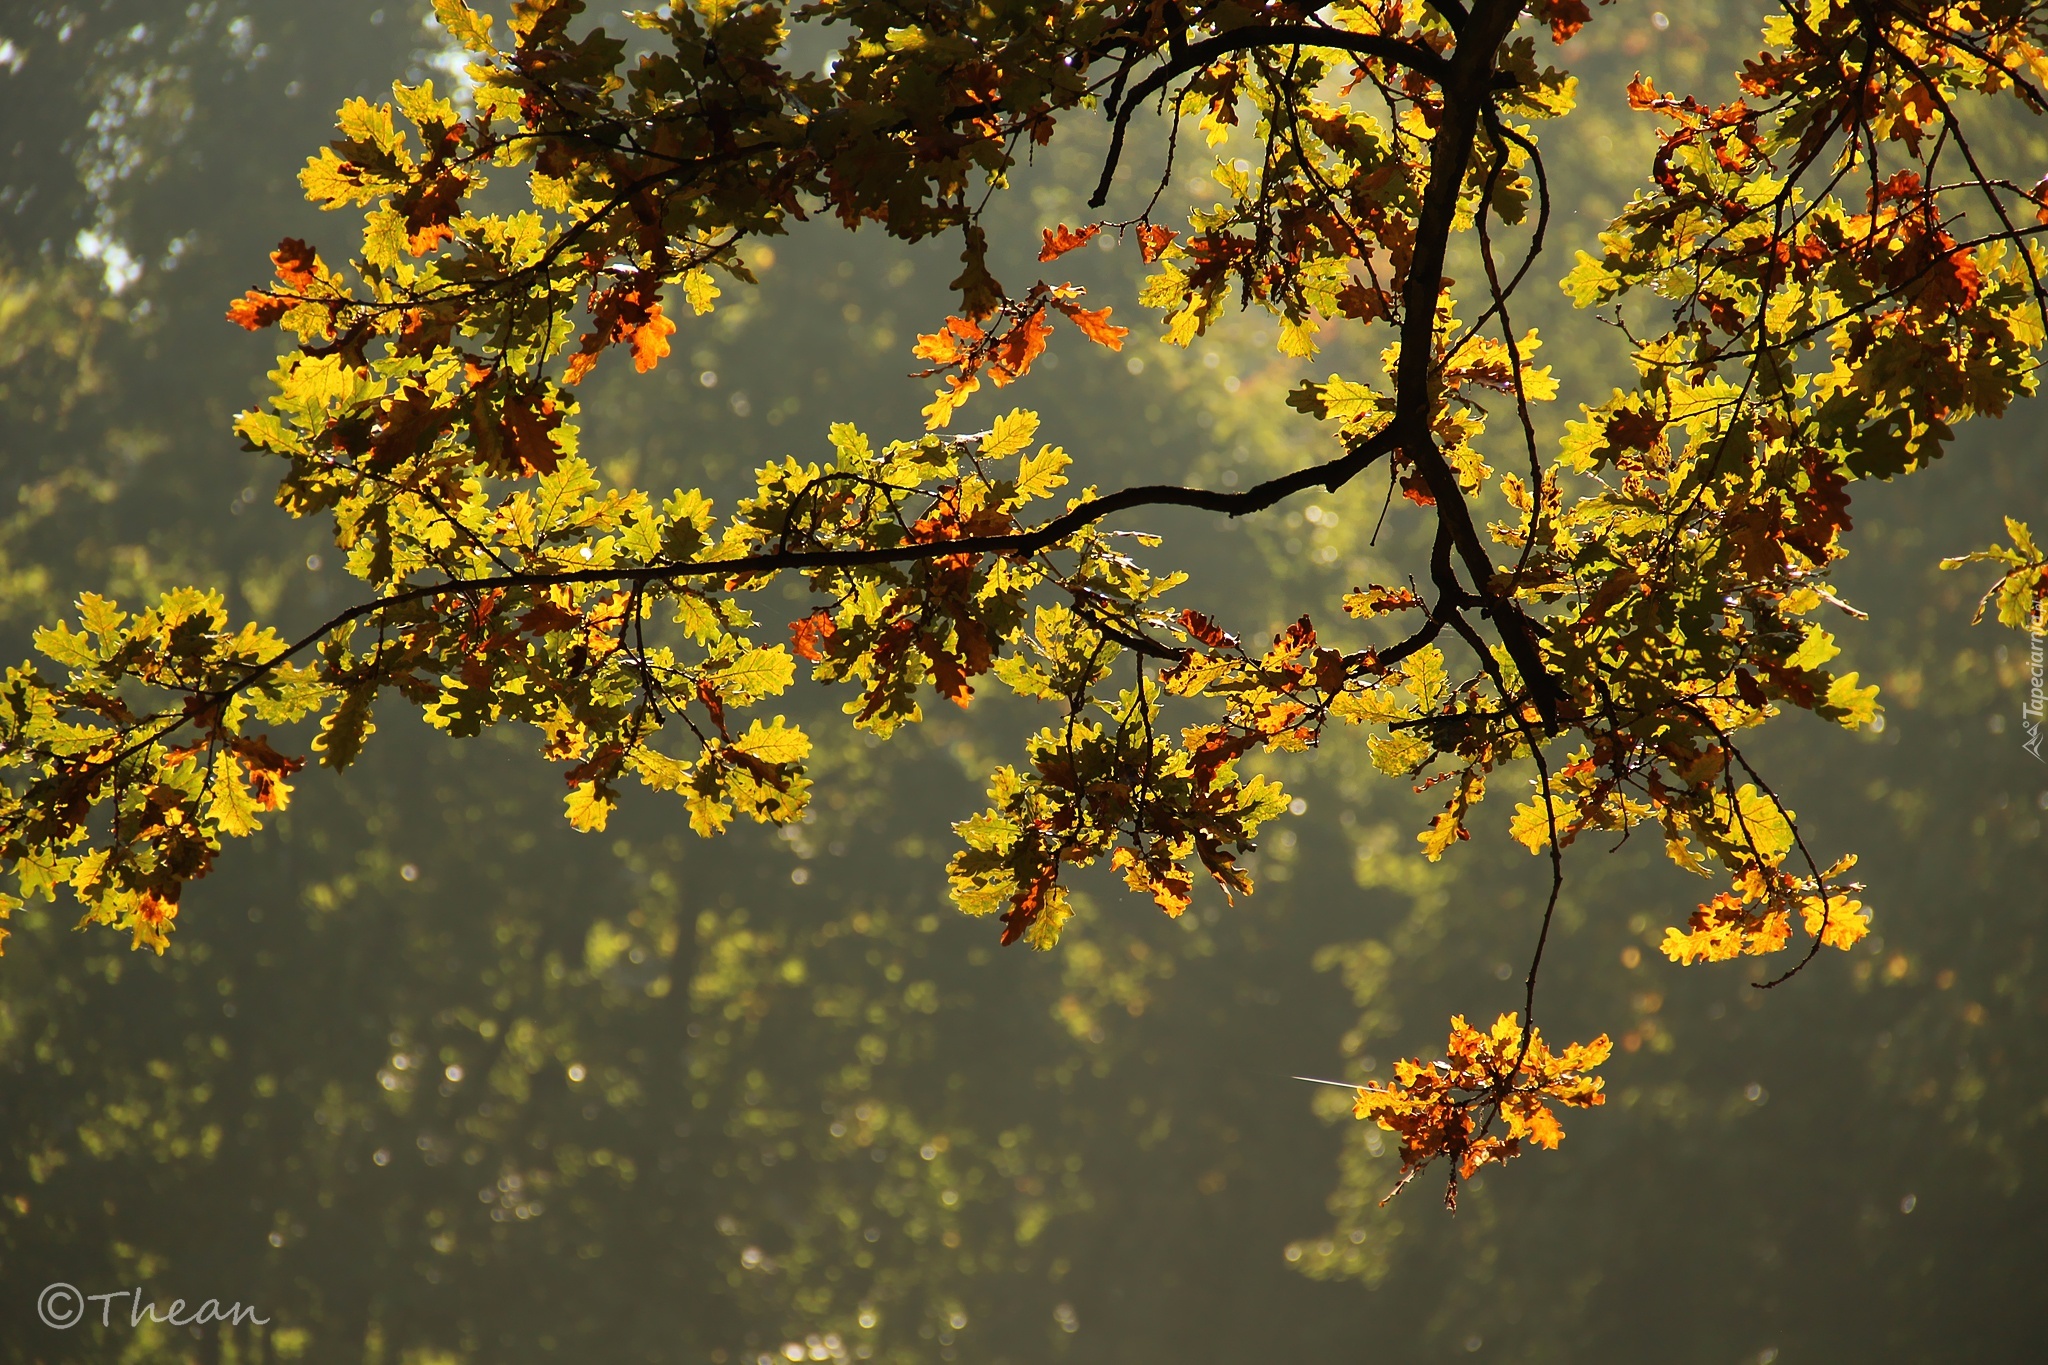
<point>1330,672</point>
<point>650,339</point>
<point>1094,324</point>
<point>1206,630</point>
<point>256,310</point>
<point>1565,17</point>
<point>1029,902</point>
<point>296,263</point>
<point>1361,301</point>
<point>267,769</point>
<point>426,218</point>
<point>1021,345</point>
<point>949,675</point>
<point>949,345</point>
<point>707,693</point>
<point>1058,242</point>
<point>812,635</point>
<point>1153,241</point>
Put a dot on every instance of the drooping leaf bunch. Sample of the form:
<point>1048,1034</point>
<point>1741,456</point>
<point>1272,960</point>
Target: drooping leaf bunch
<point>1818,280</point>
<point>1448,1108</point>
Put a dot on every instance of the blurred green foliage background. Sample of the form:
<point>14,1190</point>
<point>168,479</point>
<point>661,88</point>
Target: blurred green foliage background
<point>427,1077</point>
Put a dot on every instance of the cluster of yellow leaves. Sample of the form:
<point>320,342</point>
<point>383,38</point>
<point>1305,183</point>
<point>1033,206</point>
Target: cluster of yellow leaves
<point>1756,917</point>
<point>1677,594</point>
<point>1447,1109</point>
<point>1092,784</point>
<point>168,786</point>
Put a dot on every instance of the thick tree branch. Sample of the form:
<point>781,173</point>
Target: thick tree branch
<point>1467,88</point>
<point>1198,55</point>
<point>1331,475</point>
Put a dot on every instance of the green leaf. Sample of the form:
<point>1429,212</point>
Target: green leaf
<point>464,24</point>
<point>1816,649</point>
<point>344,730</point>
<point>1011,433</point>
<point>1853,706</point>
<point>755,674</point>
<point>232,809</point>
<point>700,291</point>
<point>1397,755</point>
<point>775,742</point>
<point>590,805</point>
<point>1040,475</point>
<point>1590,281</point>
